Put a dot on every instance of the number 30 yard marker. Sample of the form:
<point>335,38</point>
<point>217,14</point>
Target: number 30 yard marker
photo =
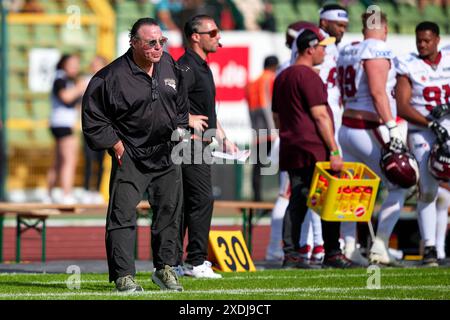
<point>228,251</point>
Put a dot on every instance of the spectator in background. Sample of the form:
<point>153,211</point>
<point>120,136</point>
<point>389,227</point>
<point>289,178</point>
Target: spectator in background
<point>193,8</point>
<point>421,4</point>
<point>268,22</point>
<point>65,97</point>
<point>259,99</point>
<point>168,14</point>
<point>32,6</point>
<point>91,157</point>
<point>226,14</point>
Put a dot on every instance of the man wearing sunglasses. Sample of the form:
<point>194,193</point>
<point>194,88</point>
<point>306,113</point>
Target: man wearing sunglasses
<point>203,38</point>
<point>131,108</point>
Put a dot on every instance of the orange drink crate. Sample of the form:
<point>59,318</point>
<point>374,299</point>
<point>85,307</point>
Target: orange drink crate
<point>350,197</point>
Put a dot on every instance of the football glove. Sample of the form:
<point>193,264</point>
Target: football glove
<point>440,132</point>
<point>395,138</point>
<point>440,111</point>
<point>396,145</point>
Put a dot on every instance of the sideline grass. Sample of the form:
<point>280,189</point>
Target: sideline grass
<point>411,283</point>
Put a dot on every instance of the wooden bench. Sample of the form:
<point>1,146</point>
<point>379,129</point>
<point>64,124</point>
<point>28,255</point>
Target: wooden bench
<point>38,213</point>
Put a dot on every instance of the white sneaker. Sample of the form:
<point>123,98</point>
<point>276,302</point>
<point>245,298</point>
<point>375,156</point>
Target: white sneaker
<point>46,199</point>
<point>97,198</point>
<point>201,271</point>
<point>352,253</point>
<point>379,254</point>
<point>68,199</point>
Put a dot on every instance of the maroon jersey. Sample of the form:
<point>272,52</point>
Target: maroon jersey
<point>296,90</point>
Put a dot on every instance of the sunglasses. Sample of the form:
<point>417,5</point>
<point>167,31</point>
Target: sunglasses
<point>212,33</point>
<point>152,43</point>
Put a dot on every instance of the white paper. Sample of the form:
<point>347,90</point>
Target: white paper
<point>239,156</point>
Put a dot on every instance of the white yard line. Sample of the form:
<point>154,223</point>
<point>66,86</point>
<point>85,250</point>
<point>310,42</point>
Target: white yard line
<point>254,276</point>
<point>244,292</point>
<point>326,276</point>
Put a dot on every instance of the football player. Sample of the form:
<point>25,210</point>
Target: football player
<point>423,94</point>
<point>366,76</point>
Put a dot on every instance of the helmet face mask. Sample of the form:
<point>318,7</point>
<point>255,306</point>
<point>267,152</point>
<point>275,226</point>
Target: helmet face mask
<point>400,168</point>
<point>439,162</point>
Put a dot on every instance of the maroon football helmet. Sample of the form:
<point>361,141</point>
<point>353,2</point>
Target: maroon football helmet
<point>439,162</point>
<point>293,29</point>
<point>400,168</point>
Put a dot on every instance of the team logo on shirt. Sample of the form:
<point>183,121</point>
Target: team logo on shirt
<point>384,54</point>
<point>171,83</point>
<point>423,78</point>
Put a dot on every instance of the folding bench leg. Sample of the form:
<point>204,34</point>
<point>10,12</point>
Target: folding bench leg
<point>18,238</point>
<point>250,230</point>
<point>1,237</point>
<point>44,240</point>
<point>247,227</point>
<point>41,229</point>
<point>244,224</point>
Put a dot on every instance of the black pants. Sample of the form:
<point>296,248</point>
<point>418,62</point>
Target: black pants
<point>295,214</point>
<point>198,209</point>
<point>127,186</point>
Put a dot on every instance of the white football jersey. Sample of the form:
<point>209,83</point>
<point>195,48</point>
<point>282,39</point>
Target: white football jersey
<point>430,84</point>
<point>352,77</point>
<point>328,73</point>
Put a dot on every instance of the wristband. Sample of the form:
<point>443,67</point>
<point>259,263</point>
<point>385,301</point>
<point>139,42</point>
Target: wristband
<point>335,153</point>
<point>391,124</point>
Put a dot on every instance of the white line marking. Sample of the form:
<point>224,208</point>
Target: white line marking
<point>255,276</point>
<point>245,292</point>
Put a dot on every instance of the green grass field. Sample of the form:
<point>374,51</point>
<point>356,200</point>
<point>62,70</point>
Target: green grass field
<point>408,283</point>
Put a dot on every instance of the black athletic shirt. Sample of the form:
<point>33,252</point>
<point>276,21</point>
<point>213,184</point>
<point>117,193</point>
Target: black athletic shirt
<point>200,86</point>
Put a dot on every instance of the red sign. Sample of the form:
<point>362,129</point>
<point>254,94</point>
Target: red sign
<point>229,67</point>
<point>360,211</point>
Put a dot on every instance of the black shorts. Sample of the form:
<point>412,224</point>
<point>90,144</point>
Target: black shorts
<point>61,132</point>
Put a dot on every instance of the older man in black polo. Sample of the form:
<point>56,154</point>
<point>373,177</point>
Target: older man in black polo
<point>132,107</point>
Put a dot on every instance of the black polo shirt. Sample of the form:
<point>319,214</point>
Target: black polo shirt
<point>200,86</point>
<point>123,102</point>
